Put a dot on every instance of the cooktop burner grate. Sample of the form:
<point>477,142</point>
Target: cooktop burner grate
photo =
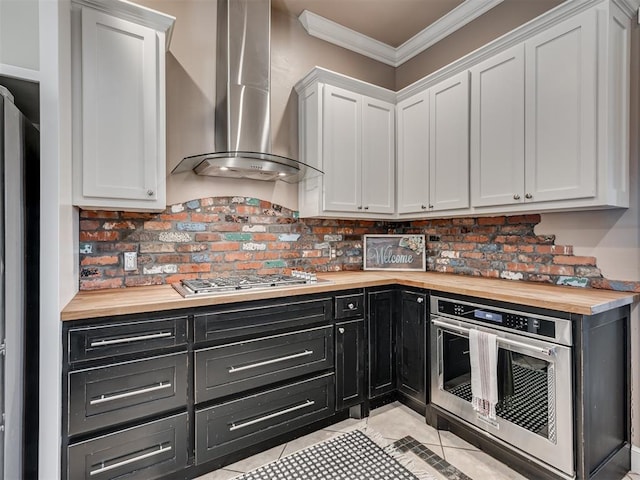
<point>189,288</point>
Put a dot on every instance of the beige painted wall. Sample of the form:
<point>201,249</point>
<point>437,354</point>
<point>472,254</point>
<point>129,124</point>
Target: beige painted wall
<point>493,24</point>
<point>191,91</point>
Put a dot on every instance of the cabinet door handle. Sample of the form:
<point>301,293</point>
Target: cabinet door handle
<point>237,426</point>
<point>516,197</point>
<point>133,393</point>
<point>131,460</point>
<point>269,362</point>
<point>420,299</point>
<point>423,207</point>
<point>116,341</point>
<point>528,196</point>
<point>366,208</point>
<point>340,330</point>
<point>359,207</point>
<point>351,306</point>
<point>150,193</point>
<point>430,206</point>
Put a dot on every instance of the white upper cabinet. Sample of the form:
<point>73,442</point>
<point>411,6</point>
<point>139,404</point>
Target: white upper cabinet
<point>433,148</point>
<point>549,118</point>
<point>413,154</point>
<point>347,130</point>
<point>378,156</point>
<point>537,120</point>
<point>561,111</point>
<point>497,129</point>
<point>119,110</point>
<point>342,146</point>
<point>449,144</point>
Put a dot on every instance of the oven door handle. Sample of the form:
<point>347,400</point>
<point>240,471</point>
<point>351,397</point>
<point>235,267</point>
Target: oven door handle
<point>549,352</point>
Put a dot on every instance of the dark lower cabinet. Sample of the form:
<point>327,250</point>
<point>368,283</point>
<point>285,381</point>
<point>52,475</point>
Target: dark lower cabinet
<point>382,331</point>
<point>145,452</point>
<point>350,359</point>
<point>231,426</point>
<point>411,347</point>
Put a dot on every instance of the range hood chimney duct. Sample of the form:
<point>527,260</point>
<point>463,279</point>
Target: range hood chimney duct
<point>243,104</point>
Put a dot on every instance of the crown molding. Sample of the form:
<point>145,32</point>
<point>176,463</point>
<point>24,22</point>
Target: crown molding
<point>337,34</point>
<point>322,75</point>
<point>630,7</point>
<point>332,32</point>
<point>134,13</point>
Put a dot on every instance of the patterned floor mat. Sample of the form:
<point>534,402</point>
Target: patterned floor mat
<point>357,455</point>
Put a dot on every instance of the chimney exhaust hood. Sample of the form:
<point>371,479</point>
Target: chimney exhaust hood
<point>243,103</point>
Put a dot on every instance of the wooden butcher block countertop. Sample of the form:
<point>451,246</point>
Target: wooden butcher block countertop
<point>102,303</point>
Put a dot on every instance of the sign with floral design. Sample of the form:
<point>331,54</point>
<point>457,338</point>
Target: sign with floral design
<point>395,252</point>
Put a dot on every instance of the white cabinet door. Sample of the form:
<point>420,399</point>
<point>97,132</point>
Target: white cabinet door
<point>449,143</point>
<point>378,156</point>
<point>341,146</point>
<point>561,103</point>
<point>413,154</point>
<point>119,92</point>
<point>497,129</point>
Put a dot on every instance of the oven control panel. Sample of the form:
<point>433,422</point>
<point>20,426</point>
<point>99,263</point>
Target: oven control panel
<point>507,319</point>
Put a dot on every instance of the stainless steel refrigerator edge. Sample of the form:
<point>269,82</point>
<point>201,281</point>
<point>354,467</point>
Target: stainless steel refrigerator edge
<point>13,265</point>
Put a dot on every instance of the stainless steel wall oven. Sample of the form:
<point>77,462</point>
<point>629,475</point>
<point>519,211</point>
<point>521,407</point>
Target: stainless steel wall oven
<point>534,375</point>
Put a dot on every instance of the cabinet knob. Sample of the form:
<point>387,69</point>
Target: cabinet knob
<point>423,207</point>
<point>351,306</point>
<point>366,208</point>
<point>528,196</point>
<point>420,299</point>
<point>340,330</point>
<point>359,207</point>
<point>150,193</point>
<point>430,206</point>
<point>516,197</point>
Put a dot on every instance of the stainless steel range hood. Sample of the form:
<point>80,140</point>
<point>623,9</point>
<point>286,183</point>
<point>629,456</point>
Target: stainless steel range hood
<point>243,103</point>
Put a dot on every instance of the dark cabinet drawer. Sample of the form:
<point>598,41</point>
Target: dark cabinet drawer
<point>145,452</point>
<point>106,396</point>
<point>247,321</point>
<point>232,426</point>
<point>350,306</point>
<point>104,341</point>
<point>232,368</point>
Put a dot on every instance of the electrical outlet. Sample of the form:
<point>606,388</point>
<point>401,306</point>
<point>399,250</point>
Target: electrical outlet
<point>130,261</point>
<point>333,252</point>
<point>434,238</point>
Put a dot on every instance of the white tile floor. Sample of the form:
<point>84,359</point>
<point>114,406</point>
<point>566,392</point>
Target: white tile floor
<point>393,421</point>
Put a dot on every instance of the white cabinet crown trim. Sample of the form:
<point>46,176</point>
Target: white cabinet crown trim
<point>134,13</point>
<point>322,75</point>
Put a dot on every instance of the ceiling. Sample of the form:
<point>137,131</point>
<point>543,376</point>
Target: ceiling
<point>389,21</point>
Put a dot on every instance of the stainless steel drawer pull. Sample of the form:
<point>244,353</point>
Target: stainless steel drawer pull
<point>133,393</point>
<point>514,343</point>
<point>269,362</point>
<point>131,460</point>
<point>116,341</point>
<point>238,426</point>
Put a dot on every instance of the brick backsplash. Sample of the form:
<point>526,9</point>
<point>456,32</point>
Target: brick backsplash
<point>226,235</point>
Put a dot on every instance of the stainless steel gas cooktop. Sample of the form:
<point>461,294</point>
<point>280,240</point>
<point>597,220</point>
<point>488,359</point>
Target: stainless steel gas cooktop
<point>212,286</point>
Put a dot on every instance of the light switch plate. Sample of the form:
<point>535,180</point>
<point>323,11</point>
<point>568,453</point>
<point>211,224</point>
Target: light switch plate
<point>130,261</point>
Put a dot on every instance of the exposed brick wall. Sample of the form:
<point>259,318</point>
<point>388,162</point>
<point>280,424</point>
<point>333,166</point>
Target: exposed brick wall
<point>222,235</point>
<point>213,236</point>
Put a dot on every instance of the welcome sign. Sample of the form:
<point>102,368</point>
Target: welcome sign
<point>395,252</point>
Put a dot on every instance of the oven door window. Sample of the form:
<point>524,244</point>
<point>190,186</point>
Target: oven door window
<point>525,384</point>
